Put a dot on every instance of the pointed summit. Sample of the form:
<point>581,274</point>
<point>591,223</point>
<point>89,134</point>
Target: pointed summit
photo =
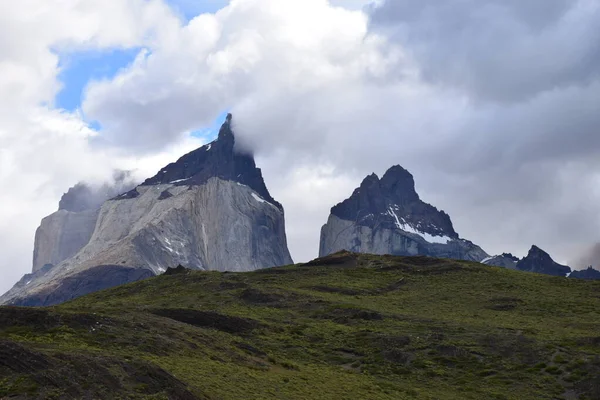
<point>539,261</point>
<point>386,216</point>
<point>392,201</point>
<point>216,159</point>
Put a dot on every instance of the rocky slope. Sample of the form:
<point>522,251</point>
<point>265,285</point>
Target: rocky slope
<point>386,216</point>
<point>210,210</point>
<point>504,260</point>
<point>539,261</point>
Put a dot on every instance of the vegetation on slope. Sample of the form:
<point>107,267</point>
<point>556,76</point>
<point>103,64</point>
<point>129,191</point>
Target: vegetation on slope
<point>343,327</point>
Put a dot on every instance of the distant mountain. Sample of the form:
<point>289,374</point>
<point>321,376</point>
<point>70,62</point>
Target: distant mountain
<point>386,216</point>
<point>210,210</point>
<point>539,261</point>
<point>504,260</point>
<point>589,274</point>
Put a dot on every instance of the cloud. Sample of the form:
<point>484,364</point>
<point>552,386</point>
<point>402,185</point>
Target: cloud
<point>497,49</point>
<point>589,257</point>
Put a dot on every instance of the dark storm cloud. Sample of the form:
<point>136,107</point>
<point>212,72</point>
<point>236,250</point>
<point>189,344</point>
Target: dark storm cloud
<point>498,49</point>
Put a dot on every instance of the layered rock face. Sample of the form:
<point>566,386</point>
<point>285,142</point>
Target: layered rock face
<point>539,261</point>
<point>209,210</point>
<point>504,260</point>
<point>386,216</point>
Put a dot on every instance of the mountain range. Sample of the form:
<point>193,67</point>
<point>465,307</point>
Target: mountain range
<point>211,210</point>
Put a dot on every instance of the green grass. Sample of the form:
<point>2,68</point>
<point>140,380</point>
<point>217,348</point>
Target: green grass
<point>349,327</point>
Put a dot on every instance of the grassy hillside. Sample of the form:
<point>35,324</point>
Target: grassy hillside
<point>345,327</point>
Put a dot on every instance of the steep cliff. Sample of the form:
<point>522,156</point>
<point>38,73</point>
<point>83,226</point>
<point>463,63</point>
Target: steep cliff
<point>62,234</point>
<point>386,216</point>
<point>210,210</point>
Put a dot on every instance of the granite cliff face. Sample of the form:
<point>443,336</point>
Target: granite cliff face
<point>386,216</point>
<point>62,234</point>
<point>210,210</point>
<point>539,261</point>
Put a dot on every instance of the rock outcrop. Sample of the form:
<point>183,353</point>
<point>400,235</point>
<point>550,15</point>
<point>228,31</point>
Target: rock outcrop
<point>589,274</point>
<point>386,216</point>
<point>504,260</point>
<point>210,210</point>
<point>62,234</point>
<point>539,261</point>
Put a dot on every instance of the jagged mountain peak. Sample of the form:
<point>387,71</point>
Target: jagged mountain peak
<point>387,216</point>
<point>401,183</point>
<point>218,159</point>
<point>539,261</point>
<point>393,202</point>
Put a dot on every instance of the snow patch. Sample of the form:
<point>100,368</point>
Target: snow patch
<point>161,269</point>
<point>209,146</point>
<point>569,274</point>
<point>28,282</point>
<point>402,225</point>
<point>486,260</point>
<point>258,198</point>
<point>179,180</point>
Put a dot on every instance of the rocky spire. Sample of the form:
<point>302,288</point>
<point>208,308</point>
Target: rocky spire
<point>216,159</point>
<point>392,201</point>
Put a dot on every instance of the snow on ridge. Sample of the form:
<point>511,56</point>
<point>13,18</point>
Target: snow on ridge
<point>258,198</point>
<point>179,180</point>
<point>486,259</point>
<point>408,228</point>
<point>209,146</point>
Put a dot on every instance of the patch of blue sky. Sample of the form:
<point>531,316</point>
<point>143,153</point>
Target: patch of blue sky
<point>189,9</point>
<point>79,68</point>
<point>211,132</point>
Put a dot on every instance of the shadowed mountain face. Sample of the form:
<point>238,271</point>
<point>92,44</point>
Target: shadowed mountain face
<point>218,159</point>
<point>539,261</point>
<point>386,216</point>
<point>210,210</point>
<point>589,274</point>
<point>390,201</point>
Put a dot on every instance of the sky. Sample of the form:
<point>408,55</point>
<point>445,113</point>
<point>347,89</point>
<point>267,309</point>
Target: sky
<point>493,105</point>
